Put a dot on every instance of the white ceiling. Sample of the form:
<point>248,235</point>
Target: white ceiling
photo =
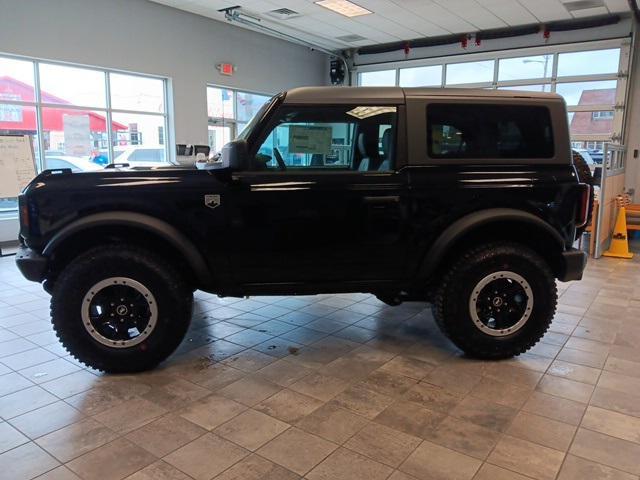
<point>394,20</point>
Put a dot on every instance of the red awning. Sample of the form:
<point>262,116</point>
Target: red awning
<point>23,118</point>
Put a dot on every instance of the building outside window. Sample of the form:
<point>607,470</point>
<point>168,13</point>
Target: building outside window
<point>229,112</point>
<point>83,117</point>
<point>586,76</point>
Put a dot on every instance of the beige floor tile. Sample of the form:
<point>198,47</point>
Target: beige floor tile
<point>76,439</point>
<point>620,383</point>
<point>383,444</point>
<point>251,429</point>
<point>297,450</point>
<point>255,467</point>
<point>170,393</point>
<point>576,468</point>
<point>543,431</point>
<point>410,418</point>
<point>562,387</point>
<point>130,415</point>
<point>622,366</point>
<point>465,437</point>
<point>249,391</point>
<point>165,434</point>
<point>486,414</point>
<point>113,461</point>
<point>528,458</point>
<point>588,359</point>
<point>433,397</point>
<point>212,411</point>
<point>206,457</point>
<point>24,401</point>
<point>434,462</point>
<point>363,401</point>
<point>387,383</point>
<point>453,380</point>
<point>159,471</point>
<point>616,401</point>
<point>344,463</point>
<point>72,384</point>
<point>408,367</point>
<point>491,472</point>
<point>319,386</point>
<point>506,373</point>
<point>61,473</point>
<point>10,437</point>
<point>46,419</point>
<point>249,360</point>
<point>550,406</point>
<point>611,423</point>
<point>283,373</point>
<point>607,450</point>
<point>507,394</point>
<point>25,462</point>
<point>332,423</point>
<point>288,406</point>
<point>572,371</point>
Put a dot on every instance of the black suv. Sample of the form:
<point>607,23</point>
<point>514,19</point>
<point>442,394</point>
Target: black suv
<point>467,199</point>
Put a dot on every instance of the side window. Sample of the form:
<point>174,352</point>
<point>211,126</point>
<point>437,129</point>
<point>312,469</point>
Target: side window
<point>489,131</point>
<point>330,138</point>
<point>55,163</point>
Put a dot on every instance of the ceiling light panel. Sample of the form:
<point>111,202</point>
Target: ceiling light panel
<point>344,7</point>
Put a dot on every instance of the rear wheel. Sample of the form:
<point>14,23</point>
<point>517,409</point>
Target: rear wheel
<point>120,309</point>
<point>496,301</point>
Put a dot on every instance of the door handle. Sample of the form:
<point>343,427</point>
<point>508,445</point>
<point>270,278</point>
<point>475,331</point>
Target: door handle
<point>385,200</point>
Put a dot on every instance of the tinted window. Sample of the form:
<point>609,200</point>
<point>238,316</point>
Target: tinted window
<point>488,131</point>
<point>146,155</point>
<point>336,138</point>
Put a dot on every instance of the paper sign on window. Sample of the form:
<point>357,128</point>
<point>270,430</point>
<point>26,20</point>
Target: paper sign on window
<point>309,139</point>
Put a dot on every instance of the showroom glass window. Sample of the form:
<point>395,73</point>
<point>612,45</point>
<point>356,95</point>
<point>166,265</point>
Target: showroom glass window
<point>85,117</point>
<point>586,76</point>
<point>229,111</point>
<point>344,138</point>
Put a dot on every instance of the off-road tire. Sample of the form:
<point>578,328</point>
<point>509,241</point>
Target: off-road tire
<point>173,296</point>
<point>584,176</point>
<point>451,304</point>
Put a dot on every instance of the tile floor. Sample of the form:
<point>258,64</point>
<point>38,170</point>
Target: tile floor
<point>330,387</point>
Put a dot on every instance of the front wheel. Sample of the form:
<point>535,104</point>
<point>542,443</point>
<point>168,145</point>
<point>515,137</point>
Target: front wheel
<point>496,301</point>
<point>120,309</point>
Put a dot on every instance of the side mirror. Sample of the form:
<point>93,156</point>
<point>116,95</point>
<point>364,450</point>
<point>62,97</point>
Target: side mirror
<point>234,156</point>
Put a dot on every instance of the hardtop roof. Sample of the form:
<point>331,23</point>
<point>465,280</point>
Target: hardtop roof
<point>395,95</point>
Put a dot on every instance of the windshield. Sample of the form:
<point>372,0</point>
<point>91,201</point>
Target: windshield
<point>252,123</point>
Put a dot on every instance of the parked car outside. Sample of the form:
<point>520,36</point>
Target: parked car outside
<point>76,164</point>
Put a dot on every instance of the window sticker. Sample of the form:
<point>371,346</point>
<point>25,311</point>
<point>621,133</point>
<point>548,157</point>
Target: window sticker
<point>309,139</point>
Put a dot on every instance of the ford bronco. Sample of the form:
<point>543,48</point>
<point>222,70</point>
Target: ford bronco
<point>467,199</point>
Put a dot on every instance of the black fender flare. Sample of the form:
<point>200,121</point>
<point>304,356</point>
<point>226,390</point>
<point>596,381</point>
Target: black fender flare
<point>148,223</point>
<point>468,223</point>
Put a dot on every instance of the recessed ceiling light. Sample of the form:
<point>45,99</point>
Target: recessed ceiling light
<point>344,7</point>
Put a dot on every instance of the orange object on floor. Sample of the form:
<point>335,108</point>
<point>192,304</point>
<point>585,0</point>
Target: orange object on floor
<point>619,247</point>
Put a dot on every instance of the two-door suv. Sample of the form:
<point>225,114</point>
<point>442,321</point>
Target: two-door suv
<point>467,199</point>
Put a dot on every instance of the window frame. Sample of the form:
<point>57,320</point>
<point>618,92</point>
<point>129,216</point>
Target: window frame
<point>232,123</point>
<point>400,151</point>
<point>107,110</point>
<point>552,79</point>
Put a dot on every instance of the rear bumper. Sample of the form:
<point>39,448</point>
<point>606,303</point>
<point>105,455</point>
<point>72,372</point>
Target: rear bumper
<point>31,264</point>
<point>574,262</point>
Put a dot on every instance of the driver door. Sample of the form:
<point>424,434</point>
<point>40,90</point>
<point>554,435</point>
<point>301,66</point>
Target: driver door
<point>322,201</point>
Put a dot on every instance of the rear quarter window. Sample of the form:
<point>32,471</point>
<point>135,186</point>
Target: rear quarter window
<point>479,131</point>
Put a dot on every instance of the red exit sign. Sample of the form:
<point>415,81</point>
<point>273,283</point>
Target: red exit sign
<point>226,68</point>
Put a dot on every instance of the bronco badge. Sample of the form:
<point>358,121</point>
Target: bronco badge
<point>212,201</point>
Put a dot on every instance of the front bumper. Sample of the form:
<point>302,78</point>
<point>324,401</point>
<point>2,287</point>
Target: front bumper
<point>31,264</point>
<point>573,263</point>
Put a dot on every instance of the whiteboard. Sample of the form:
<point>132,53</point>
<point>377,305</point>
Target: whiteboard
<point>17,165</point>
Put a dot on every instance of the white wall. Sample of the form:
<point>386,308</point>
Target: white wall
<point>145,37</point>
<point>632,126</point>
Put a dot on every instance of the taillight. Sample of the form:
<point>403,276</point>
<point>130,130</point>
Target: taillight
<point>24,215</point>
<point>582,212</point>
